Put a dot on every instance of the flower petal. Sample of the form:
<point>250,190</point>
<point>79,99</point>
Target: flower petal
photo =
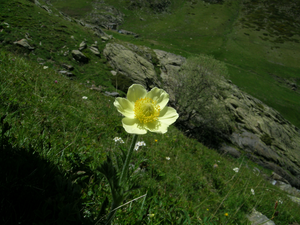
<point>160,96</point>
<point>124,107</point>
<point>135,92</point>
<point>132,126</point>
<point>168,116</point>
<point>157,127</point>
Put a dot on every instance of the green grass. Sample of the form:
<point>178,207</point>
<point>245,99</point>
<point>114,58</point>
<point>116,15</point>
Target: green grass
<point>56,132</point>
<point>76,134</point>
<point>53,39</point>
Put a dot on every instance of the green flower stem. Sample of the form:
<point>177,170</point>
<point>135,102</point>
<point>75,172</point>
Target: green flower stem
<point>128,157</point>
<point>118,195</point>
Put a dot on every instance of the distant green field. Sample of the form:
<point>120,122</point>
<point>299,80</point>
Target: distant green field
<point>259,48</point>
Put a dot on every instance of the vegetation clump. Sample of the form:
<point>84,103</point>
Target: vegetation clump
<point>266,139</point>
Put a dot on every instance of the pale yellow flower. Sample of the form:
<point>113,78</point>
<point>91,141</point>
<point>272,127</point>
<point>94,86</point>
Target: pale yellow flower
<point>145,110</point>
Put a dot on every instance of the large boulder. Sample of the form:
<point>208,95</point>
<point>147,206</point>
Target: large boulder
<point>135,67</point>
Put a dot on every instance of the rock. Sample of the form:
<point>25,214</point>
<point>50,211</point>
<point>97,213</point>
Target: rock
<point>81,23</point>
<point>257,218</point>
<point>278,178</point>
<point>99,32</point>
<point>66,73</point>
<point>112,94</point>
<point>225,149</point>
<point>295,199</point>
<point>24,43</point>
<point>130,64</point>
<point>82,46</point>
<point>250,143</point>
<point>104,38</point>
<point>79,56</point>
<point>93,87</point>
<point>28,36</point>
<point>288,188</point>
<point>94,49</point>
<point>46,8</point>
<point>104,15</point>
<point>65,16</point>
<point>68,67</point>
<point>114,73</point>
<point>127,32</point>
<point>170,65</point>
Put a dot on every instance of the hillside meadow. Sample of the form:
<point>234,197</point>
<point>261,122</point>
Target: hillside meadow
<point>56,132</point>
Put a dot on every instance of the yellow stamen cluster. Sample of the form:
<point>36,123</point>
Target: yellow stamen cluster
<point>146,110</point>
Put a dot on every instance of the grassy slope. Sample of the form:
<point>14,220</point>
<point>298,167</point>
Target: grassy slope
<point>217,29</point>
<point>76,135</point>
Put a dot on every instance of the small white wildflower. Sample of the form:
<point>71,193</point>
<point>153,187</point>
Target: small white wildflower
<point>252,191</point>
<point>280,201</point>
<point>139,144</point>
<point>45,67</point>
<point>118,139</point>
<point>236,169</point>
<point>167,158</point>
<point>84,97</point>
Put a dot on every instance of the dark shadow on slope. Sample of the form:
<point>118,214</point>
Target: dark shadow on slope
<point>33,190</point>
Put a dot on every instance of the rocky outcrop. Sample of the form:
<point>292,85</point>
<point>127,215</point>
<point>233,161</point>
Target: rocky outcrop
<point>264,135</point>
<point>104,15</point>
<point>135,67</point>
<point>256,130</point>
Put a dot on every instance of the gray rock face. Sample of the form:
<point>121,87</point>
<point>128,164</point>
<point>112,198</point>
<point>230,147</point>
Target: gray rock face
<point>79,56</point>
<point>169,66</point>
<point>264,135</point>
<point>126,62</point>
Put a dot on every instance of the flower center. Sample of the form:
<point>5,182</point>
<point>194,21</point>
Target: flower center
<point>146,110</point>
